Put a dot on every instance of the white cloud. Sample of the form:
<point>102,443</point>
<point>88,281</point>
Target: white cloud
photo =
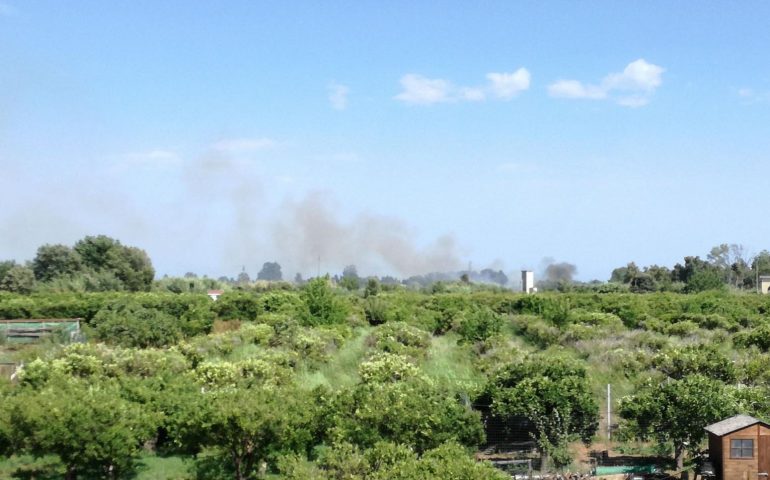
<point>338,96</point>
<point>638,75</point>
<point>424,91</point>
<point>420,90</point>
<point>575,89</point>
<point>471,94</point>
<point>508,85</point>
<point>632,87</point>
<point>243,145</point>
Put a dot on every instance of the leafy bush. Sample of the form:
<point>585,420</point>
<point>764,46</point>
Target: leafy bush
<point>678,363</point>
<point>389,461</point>
<point>320,306</point>
<point>413,412</point>
<point>758,337</point>
<point>131,325</point>
<point>479,325</point>
<point>238,306</point>
<point>535,330</point>
<point>387,367</point>
<point>400,338</point>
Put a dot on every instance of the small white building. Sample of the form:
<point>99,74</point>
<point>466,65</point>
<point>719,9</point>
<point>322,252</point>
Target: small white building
<point>764,284</point>
<point>528,281</point>
<point>215,294</point>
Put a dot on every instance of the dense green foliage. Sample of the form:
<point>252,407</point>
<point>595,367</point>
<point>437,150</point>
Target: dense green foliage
<point>322,381</point>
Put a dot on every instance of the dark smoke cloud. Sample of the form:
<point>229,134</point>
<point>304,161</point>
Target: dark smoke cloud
<point>558,271</point>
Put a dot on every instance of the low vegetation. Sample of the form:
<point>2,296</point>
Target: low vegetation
<point>364,382</point>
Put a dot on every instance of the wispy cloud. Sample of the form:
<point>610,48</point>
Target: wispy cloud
<point>420,90</point>
<point>243,145</point>
<point>424,91</point>
<point>575,89</point>
<point>338,96</point>
<point>515,167</point>
<point>153,159</point>
<point>633,87</point>
<point>749,95</point>
<point>508,85</point>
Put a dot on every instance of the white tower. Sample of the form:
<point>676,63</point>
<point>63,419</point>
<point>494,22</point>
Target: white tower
<point>528,281</point>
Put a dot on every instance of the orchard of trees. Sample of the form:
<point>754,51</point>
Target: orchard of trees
<point>360,378</point>
<point>726,266</point>
<point>97,263</point>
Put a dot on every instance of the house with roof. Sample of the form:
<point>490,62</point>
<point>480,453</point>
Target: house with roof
<point>739,448</point>
<point>215,294</point>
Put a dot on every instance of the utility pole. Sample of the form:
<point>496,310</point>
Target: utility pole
<point>609,412</point>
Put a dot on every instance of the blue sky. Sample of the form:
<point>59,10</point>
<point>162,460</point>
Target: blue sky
<point>398,136</point>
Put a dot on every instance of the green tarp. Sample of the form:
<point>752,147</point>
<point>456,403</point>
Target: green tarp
<point>626,469</point>
<point>31,331</point>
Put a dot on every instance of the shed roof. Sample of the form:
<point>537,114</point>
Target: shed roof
<point>732,424</point>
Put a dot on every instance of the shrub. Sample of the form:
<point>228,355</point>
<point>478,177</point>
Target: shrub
<point>535,330</point>
<point>400,338</point>
<point>387,367</point>
<point>479,325</point>
<point>131,325</point>
<point>319,304</point>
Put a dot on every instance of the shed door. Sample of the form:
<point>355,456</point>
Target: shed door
<point>764,454</point>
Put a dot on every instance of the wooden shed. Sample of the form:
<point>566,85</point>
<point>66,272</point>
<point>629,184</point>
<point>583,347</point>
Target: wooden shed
<point>739,448</point>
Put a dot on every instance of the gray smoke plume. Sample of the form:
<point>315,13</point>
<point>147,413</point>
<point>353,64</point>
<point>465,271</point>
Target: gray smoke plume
<point>309,229</point>
<point>558,271</point>
<point>231,188</point>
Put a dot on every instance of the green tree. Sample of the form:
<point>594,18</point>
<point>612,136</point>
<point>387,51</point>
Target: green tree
<point>6,265</point>
<point>91,428</point>
<point>480,324</point>
<point>410,411</point>
<point>350,279</point>
<point>390,461</point>
<point>643,283</point>
<point>320,306</point>
<point>18,279</point>
<point>129,324</point>
<point>130,265</point>
<point>372,287</point>
<point>52,261</point>
<point>253,425</point>
<point>136,270</point>
<point>702,280</point>
<point>678,363</point>
<point>676,411</point>
<point>554,394</point>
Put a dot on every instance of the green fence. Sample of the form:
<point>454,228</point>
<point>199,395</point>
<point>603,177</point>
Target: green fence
<point>25,331</point>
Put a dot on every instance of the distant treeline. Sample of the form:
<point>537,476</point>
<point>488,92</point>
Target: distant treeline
<point>103,264</point>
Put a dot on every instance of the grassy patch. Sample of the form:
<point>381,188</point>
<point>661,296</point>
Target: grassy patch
<point>164,468</point>
<point>342,370</point>
<point>451,364</point>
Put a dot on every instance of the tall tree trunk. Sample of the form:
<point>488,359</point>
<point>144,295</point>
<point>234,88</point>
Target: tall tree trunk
<point>239,474</point>
<point>544,460</point>
<point>679,456</point>
<point>71,473</point>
